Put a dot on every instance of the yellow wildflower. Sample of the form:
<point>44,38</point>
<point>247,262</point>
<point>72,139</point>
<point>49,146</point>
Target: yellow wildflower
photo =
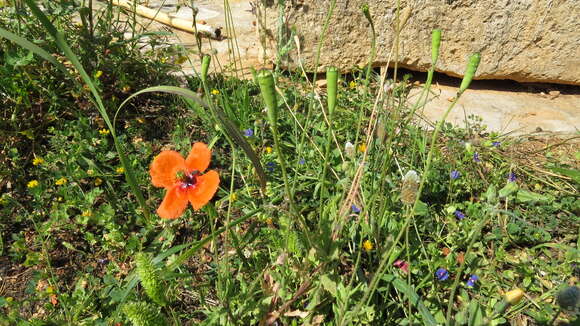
<point>268,150</point>
<point>59,199</point>
<point>37,161</point>
<point>32,184</point>
<point>98,182</point>
<point>269,221</point>
<point>140,120</point>
<point>61,181</point>
<point>98,74</point>
<point>215,91</point>
<point>362,148</point>
<point>120,170</point>
<point>233,197</point>
<point>514,296</point>
<point>104,131</point>
<point>368,245</point>
<point>88,213</point>
<point>125,89</point>
<point>352,84</point>
<point>90,172</point>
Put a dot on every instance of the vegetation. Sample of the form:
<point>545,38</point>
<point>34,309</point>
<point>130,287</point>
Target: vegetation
<point>334,206</point>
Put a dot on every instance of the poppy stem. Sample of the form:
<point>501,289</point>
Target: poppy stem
<point>268,90</point>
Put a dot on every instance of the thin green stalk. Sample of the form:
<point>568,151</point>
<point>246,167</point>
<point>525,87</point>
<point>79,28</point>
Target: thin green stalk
<point>332,85</point>
<point>321,39</point>
<point>367,14</point>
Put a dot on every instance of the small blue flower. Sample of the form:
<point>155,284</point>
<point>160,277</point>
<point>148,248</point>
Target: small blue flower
<point>302,161</point>
<point>442,274</point>
<point>455,174</point>
<point>459,215</point>
<point>495,144</point>
<point>248,132</point>
<point>512,177</point>
<point>270,166</point>
<point>471,281</point>
<point>476,157</point>
<point>355,209</point>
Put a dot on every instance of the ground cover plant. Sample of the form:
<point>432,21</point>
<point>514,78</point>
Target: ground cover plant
<point>132,195</point>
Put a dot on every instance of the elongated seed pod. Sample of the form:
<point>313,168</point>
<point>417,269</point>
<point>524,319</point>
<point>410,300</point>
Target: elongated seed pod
<point>366,12</point>
<point>205,67</point>
<point>268,90</point>
<point>150,279</point>
<point>435,44</point>
<point>144,314</point>
<point>470,71</point>
<point>331,87</point>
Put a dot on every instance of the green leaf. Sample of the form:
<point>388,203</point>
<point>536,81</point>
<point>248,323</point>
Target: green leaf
<point>410,293</point>
<point>421,209</point>
<point>509,188</point>
<point>571,173</point>
<point>328,284</point>
<point>525,196</point>
<point>476,315</point>
<point>33,48</point>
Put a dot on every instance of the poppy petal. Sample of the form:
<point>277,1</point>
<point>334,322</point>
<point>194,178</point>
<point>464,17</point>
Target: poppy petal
<point>165,167</point>
<point>199,157</point>
<point>173,205</point>
<point>204,189</point>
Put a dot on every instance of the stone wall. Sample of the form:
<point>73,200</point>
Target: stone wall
<point>522,40</point>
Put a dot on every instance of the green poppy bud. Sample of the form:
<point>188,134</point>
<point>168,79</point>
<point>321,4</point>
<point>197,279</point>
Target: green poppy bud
<point>331,87</point>
<point>435,44</point>
<point>205,67</point>
<point>470,71</point>
<point>266,82</point>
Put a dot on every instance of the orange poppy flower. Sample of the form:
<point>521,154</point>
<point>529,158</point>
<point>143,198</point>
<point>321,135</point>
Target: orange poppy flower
<point>183,180</point>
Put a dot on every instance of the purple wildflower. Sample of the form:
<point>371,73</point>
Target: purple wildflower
<point>455,175</point>
<point>302,161</point>
<point>472,279</point>
<point>495,144</point>
<point>512,177</point>
<point>476,157</point>
<point>355,209</point>
<point>270,166</point>
<point>248,132</point>
<point>442,274</point>
<point>459,215</point>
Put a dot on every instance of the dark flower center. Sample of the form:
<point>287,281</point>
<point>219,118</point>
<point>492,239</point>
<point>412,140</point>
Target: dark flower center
<point>188,179</point>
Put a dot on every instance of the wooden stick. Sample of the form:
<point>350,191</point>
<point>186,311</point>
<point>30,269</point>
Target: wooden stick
<point>159,16</point>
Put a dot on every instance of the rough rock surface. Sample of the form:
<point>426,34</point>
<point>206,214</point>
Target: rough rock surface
<point>522,40</point>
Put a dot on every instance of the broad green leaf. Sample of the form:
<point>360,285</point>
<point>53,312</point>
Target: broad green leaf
<point>410,293</point>
<point>328,284</point>
<point>509,189</point>
<point>525,196</point>
<point>571,173</point>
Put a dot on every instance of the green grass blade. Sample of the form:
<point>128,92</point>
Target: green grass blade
<point>33,48</point>
<point>229,127</point>
<point>65,48</point>
<point>410,293</point>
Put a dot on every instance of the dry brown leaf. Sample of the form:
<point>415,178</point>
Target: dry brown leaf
<point>296,313</point>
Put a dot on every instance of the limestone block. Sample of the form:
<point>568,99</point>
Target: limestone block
<point>522,40</point>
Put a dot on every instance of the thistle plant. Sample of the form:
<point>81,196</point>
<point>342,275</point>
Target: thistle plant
<point>150,279</point>
<point>144,314</point>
